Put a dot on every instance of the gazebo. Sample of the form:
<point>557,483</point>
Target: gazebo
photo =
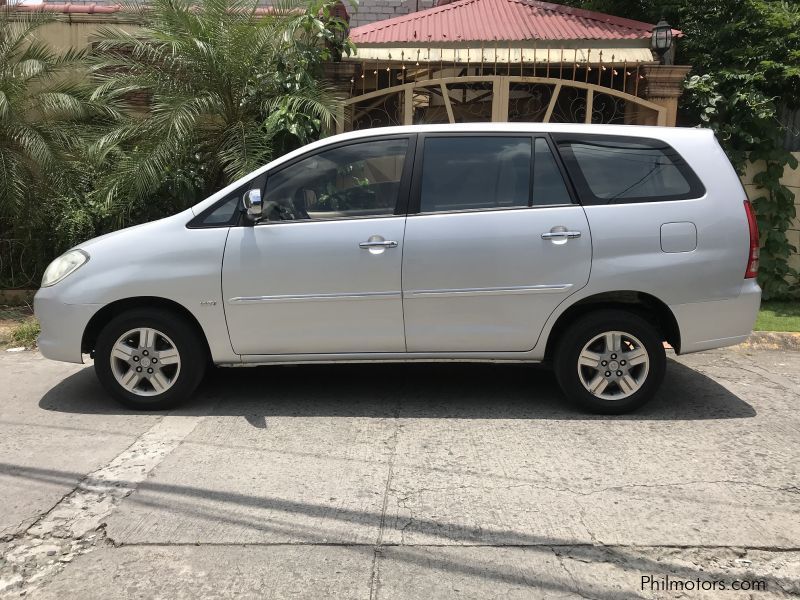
<point>506,60</point>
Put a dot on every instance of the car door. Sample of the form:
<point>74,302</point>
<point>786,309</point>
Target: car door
<point>321,272</point>
<point>495,244</point>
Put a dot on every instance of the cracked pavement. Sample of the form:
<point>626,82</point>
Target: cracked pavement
<point>400,481</point>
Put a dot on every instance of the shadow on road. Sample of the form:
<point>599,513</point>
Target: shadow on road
<point>422,390</point>
<point>289,519</point>
<point>412,391</point>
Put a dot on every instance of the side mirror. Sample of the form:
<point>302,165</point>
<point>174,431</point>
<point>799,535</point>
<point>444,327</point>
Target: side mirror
<point>253,203</point>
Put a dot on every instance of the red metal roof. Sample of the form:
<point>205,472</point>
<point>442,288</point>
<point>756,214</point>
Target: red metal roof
<point>506,20</point>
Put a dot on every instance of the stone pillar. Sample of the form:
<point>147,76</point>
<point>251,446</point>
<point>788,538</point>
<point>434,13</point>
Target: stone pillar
<point>663,85</point>
<point>340,76</point>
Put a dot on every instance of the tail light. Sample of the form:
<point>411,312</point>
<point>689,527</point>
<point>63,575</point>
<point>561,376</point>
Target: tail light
<point>752,257</point>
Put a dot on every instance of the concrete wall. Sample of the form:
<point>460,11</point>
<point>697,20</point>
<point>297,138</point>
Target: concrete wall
<point>791,179</point>
<point>369,11</point>
<point>75,29</point>
<point>63,34</point>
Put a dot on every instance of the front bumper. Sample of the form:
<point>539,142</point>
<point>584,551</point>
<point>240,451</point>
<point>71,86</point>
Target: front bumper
<point>714,324</point>
<point>62,325</point>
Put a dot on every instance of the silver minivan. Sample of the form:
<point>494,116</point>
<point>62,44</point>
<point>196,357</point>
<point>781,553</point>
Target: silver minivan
<point>584,246</point>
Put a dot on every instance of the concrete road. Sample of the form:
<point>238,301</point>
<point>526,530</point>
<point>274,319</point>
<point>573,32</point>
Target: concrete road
<point>402,481</point>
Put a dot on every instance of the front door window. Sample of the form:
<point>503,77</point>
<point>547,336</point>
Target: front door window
<point>358,180</point>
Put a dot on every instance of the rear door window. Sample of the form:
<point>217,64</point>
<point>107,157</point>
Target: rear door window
<point>615,169</point>
<point>475,173</point>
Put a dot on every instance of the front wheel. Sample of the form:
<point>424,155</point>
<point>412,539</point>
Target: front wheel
<point>149,359</point>
<point>610,361</point>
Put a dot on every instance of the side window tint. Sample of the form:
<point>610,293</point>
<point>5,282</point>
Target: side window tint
<point>548,184</point>
<point>467,173</point>
<point>612,170</point>
<point>225,213</point>
<point>358,180</point>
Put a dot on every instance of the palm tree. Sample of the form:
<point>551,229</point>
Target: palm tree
<point>42,103</point>
<point>217,75</point>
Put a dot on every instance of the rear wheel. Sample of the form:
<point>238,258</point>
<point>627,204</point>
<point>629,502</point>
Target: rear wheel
<point>149,359</point>
<point>610,361</point>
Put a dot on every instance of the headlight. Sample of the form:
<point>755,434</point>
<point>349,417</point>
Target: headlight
<point>62,266</point>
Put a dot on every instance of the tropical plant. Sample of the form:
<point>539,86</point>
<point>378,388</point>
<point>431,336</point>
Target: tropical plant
<point>227,85</point>
<point>46,120</point>
<point>42,101</point>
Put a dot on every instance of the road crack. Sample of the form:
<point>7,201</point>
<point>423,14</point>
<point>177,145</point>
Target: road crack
<point>391,443</point>
<point>575,587</point>
<point>76,524</point>
<point>788,489</point>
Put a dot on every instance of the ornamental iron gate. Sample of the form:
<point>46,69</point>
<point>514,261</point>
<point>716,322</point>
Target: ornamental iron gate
<point>496,98</point>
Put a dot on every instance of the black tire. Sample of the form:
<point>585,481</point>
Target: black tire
<point>184,336</point>
<point>587,328</point>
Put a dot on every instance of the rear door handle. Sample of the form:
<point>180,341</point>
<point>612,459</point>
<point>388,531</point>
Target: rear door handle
<point>561,235</point>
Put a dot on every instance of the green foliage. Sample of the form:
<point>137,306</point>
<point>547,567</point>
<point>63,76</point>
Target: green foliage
<point>778,316</point>
<point>43,111</point>
<point>226,88</point>
<point>756,37</point>
<point>328,30</point>
<point>229,89</point>
<point>25,333</point>
<point>649,11</point>
<point>747,58</point>
<point>33,105</point>
<point>46,120</point>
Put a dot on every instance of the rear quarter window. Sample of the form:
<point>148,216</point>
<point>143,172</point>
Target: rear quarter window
<point>617,170</point>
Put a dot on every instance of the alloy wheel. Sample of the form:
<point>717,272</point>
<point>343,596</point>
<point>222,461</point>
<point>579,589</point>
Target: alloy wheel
<point>613,365</point>
<point>145,361</point>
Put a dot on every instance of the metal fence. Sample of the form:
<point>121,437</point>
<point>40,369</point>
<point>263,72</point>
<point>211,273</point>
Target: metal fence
<point>21,263</point>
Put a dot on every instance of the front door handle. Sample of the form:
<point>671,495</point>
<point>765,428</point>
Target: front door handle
<point>377,244</point>
<point>561,235</point>
<point>383,244</point>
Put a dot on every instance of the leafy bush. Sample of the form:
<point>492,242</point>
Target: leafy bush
<point>228,89</point>
<point>47,117</point>
<point>747,58</point>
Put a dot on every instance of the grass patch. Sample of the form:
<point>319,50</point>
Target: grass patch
<point>17,326</point>
<point>778,316</point>
<point>25,333</point>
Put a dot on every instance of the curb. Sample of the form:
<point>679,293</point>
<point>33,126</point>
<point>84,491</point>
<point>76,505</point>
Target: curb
<point>772,340</point>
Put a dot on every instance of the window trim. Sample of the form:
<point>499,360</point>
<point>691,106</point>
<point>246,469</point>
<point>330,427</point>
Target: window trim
<point>571,191</point>
<point>237,220</point>
<point>415,200</point>
<point>584,191</point>
<point>402,195</point>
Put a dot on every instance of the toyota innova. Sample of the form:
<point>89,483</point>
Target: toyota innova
<point>584,246</point>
